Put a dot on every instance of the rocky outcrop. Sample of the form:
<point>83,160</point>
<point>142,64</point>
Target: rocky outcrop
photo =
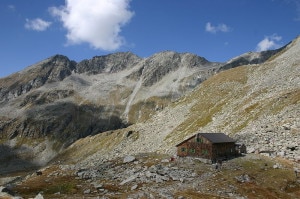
<point>251,58</point>
<point>111,63</point>
<point>159,65</point>
<point>53,69</point>
<point>63,122</point>
<point>152,175</point>
<point>67,100</point>
<point>273,139</point>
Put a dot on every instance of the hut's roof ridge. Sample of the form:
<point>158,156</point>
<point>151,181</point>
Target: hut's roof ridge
<point>213,137</point>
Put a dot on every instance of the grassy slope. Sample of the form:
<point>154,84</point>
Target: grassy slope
<point>231,100</point>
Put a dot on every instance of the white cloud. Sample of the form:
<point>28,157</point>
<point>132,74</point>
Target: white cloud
<point>219,28</point>
<point>11,7</point>
<point>97,22</point>
<point>269,42</point>
<point>37,24</point>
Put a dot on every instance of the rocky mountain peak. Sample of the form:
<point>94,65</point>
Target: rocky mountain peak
<point>108,63</point>
<point>59,67</point>
<point>251,58</point>
<point>184,59</point>
<point>167,62</point>
<point>55,68</point>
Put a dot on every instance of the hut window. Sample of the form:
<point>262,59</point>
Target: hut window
<point>182,149</point>
<point>204,152</point>
<point>192,150</point>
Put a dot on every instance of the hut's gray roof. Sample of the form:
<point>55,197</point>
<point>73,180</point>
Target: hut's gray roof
<point>212,137</point>
<point>217,137</point>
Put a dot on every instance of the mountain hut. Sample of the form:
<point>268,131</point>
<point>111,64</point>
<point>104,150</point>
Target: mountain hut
<point>210,146</point>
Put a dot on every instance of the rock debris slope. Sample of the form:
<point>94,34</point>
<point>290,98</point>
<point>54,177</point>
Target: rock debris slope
<point>258,104</point>
<point>51,104</point>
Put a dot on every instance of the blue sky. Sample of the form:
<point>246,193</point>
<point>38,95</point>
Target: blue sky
<point>33,30</point>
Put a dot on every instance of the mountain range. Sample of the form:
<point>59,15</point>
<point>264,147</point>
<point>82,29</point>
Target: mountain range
<point>120,104</point>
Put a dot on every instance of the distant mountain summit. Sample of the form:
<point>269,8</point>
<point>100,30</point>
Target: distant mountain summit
<point>111,63</point>
<point>251,58</point>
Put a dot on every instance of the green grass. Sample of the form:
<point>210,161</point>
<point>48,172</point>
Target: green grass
<point>228,93</point>
<point>212,96</point>
<point>62,188</point>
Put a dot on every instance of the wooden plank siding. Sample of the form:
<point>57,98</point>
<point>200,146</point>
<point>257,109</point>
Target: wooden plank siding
<point>223,150</point>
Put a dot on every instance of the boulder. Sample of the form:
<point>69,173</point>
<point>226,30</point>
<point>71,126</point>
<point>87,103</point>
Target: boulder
<point>6,191</point>
<point>277,166</point>
<point>250,149</point>
<point>243,178</point>
<point>128,159</point>
<point>281,153</point>
<point>134,187</point>
<point>165,160</point>
<point>39,196</point>
<point>130,179</point>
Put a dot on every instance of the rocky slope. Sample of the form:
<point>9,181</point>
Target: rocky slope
<point>152,175</point>
<point>51,104</point>
<point>250,58</point>
<point>256,104</point>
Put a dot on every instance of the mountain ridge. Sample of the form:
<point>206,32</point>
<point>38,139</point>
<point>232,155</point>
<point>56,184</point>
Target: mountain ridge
<point>256,104</point>
<point>73,100</point>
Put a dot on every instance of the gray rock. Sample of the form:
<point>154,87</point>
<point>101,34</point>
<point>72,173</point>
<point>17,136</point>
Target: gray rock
<point>286,126</point>
<point>128,159</point>
<point>149,174</point>
<point>130,179</point>
<point>281,153</point>
<point>158,179</point>
<point>251,149</point>
<point>277,166</point>
<point>134,187</point>
<point>6,190</point>
<point>165,160</point>
<point>87,191</point>
<point>39,196</point>
<point>96,185</point>
<point>243,178</point>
